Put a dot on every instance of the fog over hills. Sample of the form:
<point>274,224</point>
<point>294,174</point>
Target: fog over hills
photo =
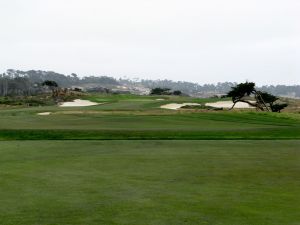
<point>17,82</point>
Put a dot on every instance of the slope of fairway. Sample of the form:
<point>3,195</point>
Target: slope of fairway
<point>22,125</point>
<point>150,182</point>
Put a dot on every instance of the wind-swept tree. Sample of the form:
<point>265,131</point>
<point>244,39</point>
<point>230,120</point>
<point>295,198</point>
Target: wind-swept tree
<point>240,92</point>
<point>263,100</point>
<point>53,86</point>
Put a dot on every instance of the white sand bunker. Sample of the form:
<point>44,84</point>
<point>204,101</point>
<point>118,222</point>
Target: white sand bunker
<point>176,106</point>
<point>44,113</point>
<point>78,103</point>
<point>160,99</point>
<point>229,104</point>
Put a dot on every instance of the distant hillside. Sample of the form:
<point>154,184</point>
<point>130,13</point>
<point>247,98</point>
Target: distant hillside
<point>17,82</point>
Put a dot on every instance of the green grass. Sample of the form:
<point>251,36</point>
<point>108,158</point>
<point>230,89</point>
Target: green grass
<point>96,125</point>
<point>150,182</point>
<point>127,102</point>
<point>254,134</point>
<point>128,162</point>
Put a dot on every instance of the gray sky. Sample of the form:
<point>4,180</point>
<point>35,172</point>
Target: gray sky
<point>204,41</point>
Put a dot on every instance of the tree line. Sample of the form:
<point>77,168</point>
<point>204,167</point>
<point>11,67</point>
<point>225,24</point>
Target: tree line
<point>17,82</point>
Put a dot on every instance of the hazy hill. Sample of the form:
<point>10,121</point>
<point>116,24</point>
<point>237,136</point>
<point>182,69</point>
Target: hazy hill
<point>17,82</point>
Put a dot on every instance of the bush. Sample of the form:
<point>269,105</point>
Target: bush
<point>177,93</point>
<point>160,91</point>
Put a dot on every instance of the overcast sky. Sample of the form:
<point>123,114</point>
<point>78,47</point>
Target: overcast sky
<point>204,41</point>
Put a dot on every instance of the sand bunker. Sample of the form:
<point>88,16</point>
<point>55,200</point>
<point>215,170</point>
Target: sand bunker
<point>176,106</point>
<point>78,103</point>
<point>229,104</point>
<point>44,113</point>
<point>160,99</point>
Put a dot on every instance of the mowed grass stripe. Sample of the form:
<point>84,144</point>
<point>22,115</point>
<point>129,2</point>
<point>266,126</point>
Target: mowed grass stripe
<point>281,133</point>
